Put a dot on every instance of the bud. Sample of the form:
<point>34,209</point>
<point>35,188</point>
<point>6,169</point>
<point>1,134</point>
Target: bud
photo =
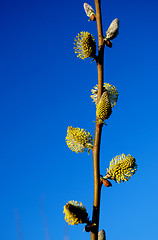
<point>101,235</point>
<point>103,108</point>
<point>90,227</point>
<point>89,11</point>
<point>108,43</point>
<point>92,18</point>
<point>113,29</point>
<point>106,183</point>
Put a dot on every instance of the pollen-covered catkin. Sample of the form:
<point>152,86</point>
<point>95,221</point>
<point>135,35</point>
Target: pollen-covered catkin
<point>75,213</point>
<point>78,140</point>
<point>121,168</point>
<point>111,90</point>
<point>85,45</point>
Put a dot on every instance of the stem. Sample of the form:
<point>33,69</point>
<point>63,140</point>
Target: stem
<point>98,128</point>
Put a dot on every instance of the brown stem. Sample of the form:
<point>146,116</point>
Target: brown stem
<point>98,128</point>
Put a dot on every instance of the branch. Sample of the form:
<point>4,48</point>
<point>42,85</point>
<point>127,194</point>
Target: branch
<point>98,128</point>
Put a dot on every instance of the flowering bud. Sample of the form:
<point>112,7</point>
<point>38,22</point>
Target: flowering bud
<point>113,29</point>
<point>103,108</point>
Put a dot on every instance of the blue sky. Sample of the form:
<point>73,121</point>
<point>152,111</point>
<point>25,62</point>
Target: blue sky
<point>44,88</point>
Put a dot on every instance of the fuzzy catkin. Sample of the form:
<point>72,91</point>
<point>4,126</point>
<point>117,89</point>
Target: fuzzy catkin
<point>104,107</point>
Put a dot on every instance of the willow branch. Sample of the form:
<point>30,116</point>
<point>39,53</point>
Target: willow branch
<point>98,128</point>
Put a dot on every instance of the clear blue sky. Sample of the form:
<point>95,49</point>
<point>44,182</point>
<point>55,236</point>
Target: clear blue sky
<point>44,88</point>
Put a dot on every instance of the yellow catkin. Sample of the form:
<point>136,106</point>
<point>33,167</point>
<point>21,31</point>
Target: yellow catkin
<point>75,213</point>
<point>103,108</point>
<point>111,90</point>
<point>78,140</point>
<point>121,168</point>
<point>85,45</point>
